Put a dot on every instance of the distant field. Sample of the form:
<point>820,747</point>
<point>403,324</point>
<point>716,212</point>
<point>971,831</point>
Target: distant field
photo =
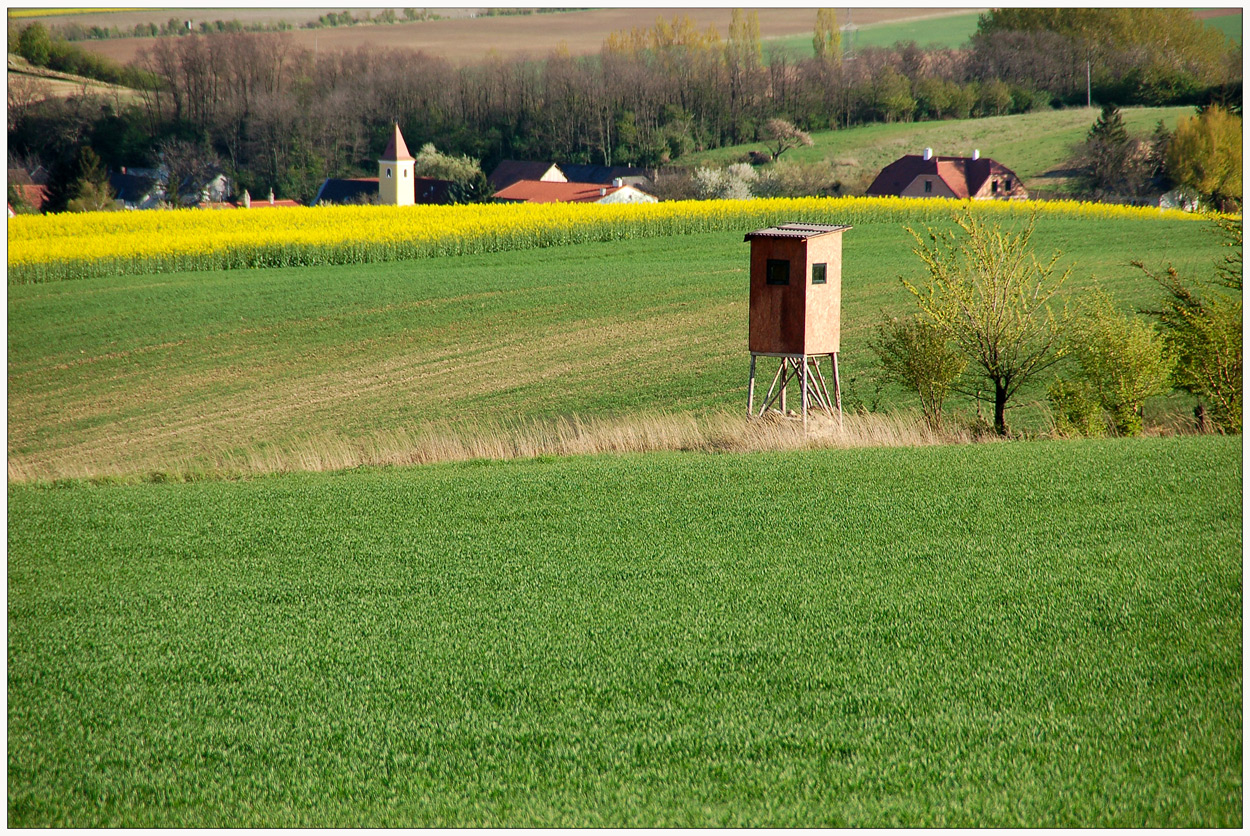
<point>998,635</point>
<point>1228,22</point>
<point>466,40</point>
<point>1037,146</point>
<point>187,372</point>
<point>949,31</point>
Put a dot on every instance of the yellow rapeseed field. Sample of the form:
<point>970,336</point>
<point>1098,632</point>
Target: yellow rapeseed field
<point>67,246</point>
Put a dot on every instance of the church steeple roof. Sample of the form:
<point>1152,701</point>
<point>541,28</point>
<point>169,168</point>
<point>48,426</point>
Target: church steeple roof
<point>397,150</point>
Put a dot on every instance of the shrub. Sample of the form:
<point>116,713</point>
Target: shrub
<point>1202,326</point>
<point>917,354</point>
<point>1122,360</point>
<point>1077,413</point>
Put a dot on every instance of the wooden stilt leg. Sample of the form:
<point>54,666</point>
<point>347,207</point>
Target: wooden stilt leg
<point>785,366</point>
<point>803,389</point>
<point>751,390</point>
<point>837,387</point>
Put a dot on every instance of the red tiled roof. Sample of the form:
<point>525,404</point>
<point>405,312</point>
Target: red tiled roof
<point>265,204</point>
<point>964,176</point>
<point>35,196</point>
<point>538,191</point>
<point>396,149</point>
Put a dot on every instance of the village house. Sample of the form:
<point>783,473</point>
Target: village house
<point>145,188</point>
<point>925,175</point>
<point>539,191</point>
<point>31,187</point>
<point>518,181</point>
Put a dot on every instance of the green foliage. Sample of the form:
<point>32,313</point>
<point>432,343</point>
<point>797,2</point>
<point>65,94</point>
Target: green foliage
<point>1146,56</point>
<point>1205,154</point>
<point>1075,410</point>
<point>1107,149</point>
<point>805,640</point>
<point>1121,358</point>
<point>890,97</point>
<point>916,353</point>
<point>91,189</point>
<point>827,38</point>
<point>92,197</point>
<point>990,296</point>
<point>469,183</point>
<point>35,44</point>
<point>1202,324</point>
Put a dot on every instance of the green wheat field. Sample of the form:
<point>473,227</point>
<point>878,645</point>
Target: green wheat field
<point>230,603</point>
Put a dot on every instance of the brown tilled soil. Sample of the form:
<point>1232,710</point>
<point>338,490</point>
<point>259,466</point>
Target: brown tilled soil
<point>466,40</point>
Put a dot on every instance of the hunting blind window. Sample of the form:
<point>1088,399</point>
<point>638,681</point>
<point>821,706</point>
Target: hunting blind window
<point>818,274</point>
<point>778,271</point>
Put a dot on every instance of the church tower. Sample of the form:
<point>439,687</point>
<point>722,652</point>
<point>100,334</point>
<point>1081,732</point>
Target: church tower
<point>395,173</point>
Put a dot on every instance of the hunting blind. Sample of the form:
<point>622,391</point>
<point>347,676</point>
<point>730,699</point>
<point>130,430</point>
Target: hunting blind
<point>796,312</point>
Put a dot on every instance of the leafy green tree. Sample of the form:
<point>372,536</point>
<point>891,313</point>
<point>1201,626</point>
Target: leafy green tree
<point>991,297</point>
<point>1203,327</point>
<point>91,189</point>
<point>469,184</point>
<point>1205,155</point>
<point>827,38</point>
<point>994,98</point>
<point>916,353</point>
<point>1122,358</point>
<point>35,44</point>
<point>891,96</point>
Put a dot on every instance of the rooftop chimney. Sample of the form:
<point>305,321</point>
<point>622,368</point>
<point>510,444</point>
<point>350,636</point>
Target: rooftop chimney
<point>976,153</point>
<point>928,153</point>
<point>271,197</point>
<point>617,182</point>
<point>602,192</point>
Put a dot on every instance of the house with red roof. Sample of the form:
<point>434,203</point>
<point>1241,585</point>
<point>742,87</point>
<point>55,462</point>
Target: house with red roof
<point>31,187</point>
<point>964,178</point>
<point>542,191</point>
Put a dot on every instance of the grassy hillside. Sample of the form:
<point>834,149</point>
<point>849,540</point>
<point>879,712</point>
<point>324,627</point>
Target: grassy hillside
<point>856,638</point>
<point>1037,146</point>
<point>267,369</point>
<point>51,83</point>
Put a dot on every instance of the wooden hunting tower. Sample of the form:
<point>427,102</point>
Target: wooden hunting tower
<point>796,311</point>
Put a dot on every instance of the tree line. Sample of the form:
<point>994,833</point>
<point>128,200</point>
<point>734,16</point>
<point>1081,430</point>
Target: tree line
<point>283,117</point>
